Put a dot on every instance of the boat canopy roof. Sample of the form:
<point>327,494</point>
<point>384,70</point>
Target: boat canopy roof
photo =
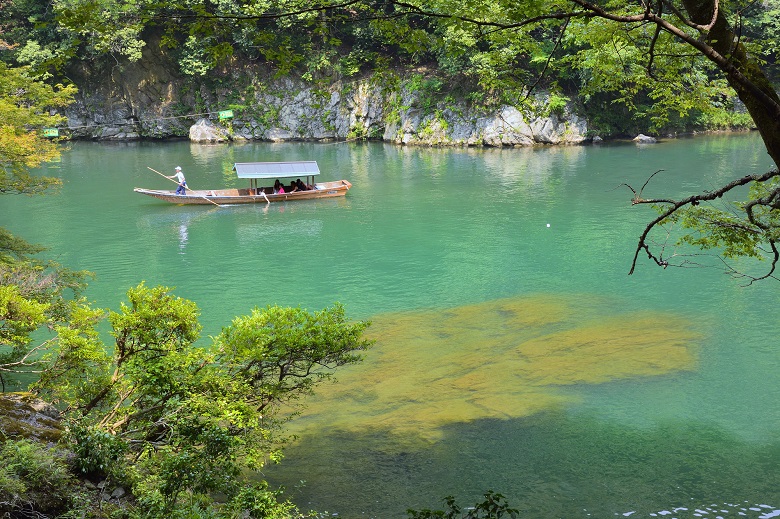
<point>276,169</point>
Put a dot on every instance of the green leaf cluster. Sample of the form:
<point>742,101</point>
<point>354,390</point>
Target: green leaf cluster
<point>173,419</point>
<point>25,108</point>
<point>33,476</point>
<point>731,231</point>
<point>494,506</point>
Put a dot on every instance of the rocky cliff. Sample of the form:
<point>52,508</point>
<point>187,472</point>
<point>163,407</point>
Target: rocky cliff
<point>148,99</point>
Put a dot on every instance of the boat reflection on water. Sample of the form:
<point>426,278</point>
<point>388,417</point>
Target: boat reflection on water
<point>183,237</point>
<point>266,232</point>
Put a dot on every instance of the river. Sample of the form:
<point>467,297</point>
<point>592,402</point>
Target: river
<point>514,352</point>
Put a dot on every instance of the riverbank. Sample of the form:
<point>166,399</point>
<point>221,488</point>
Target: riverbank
<point>289,110</point>
<point>150,100</point>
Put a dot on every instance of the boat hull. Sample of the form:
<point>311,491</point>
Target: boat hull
<point>244,196</point>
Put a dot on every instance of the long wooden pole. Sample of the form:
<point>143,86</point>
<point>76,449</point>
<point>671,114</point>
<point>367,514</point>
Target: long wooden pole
<point>203,197</point>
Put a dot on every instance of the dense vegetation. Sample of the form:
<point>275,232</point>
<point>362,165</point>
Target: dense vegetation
<point>498,59</point>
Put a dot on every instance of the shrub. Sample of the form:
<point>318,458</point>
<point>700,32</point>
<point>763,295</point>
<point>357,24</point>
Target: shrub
<point>493,507</point>
<point>33,477</point>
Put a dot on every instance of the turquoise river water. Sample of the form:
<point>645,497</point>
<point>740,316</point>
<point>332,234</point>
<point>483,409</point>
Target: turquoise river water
<point>514,352</point>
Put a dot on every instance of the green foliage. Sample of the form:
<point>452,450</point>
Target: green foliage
<point>357,131</point>
<point>37,57</point>
<point>427,90</point>
<point>278,355</point>
<point>14,249</point>
<point>32,295</point>
<point>493,507</point>
<point>97,452</point>
<point>611,60</point>
<point>19,316</point>
<point>198,56</point>
<point>556,103</point>
<point>723,230</point>
<point>178,420</point>
<point>33,38</point>
<point>729,231</point>
<point>33,477</point>
<point>724,118</point>
<point>258,502</point>
<point>24,110</point>
<point>106,26</point>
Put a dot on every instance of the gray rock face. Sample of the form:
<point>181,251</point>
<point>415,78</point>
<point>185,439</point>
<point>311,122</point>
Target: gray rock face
<point>22,415</point>
<point>206,131</point>
<point>644,139</point>
<point>363,111</point>
<point>147,100</point>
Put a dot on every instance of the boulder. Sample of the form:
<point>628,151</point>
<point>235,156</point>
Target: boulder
<point>644,139</point>
<point>23,415</point>
<point>206,131</point>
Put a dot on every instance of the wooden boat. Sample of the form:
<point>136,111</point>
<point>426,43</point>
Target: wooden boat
<point>258,173</point>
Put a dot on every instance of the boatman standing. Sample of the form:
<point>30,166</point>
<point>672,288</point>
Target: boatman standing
<point>182,189</point>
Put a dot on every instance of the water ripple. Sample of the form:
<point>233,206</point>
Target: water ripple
<point>714,511</point>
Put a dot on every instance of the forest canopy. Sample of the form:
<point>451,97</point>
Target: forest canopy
<point>495,52</point>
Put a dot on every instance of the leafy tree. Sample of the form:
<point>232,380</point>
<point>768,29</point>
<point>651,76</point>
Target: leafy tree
<point>31,37</point>
<point>33,292</point>
<point>25,105</point>
<point>33,477</point>
<point>173,418</point>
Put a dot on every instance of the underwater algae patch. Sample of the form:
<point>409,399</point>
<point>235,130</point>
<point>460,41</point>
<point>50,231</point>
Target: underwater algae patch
<point>503,359</point>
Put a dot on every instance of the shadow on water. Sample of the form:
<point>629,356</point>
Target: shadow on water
<point>549,465</point>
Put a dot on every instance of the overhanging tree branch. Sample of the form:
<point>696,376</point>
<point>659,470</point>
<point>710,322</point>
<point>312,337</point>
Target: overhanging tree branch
<point>676,205</point>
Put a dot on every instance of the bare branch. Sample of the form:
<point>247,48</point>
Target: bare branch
<point>752,279</point>
<point>651,52</point>
<point>19,366</point>
<point>638,195</point>
<point>687,21</point>
<point>549,58</point>
<point>496,25</point>
<point>675,205</point>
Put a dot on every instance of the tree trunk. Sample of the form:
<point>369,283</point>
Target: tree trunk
<point>757,93</point>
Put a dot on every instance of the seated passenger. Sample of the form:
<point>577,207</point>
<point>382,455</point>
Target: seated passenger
<point>293,187</point>
<point>300,185</point>
<point>277,186</point>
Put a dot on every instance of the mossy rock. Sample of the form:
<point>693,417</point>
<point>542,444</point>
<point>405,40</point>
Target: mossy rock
<point>23,415</point>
